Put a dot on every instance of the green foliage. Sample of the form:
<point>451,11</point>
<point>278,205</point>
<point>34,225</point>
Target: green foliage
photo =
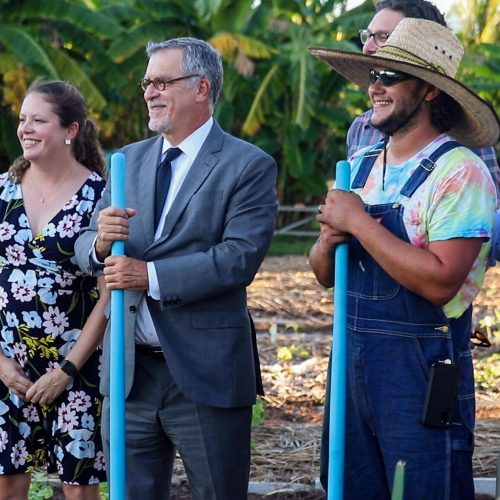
<point>258,412</point>
<point>480,68</point>
<point>275,93</point>
<point>487,374</point>
<point>290,245</point>
<point>104,490</point>
<point>25,48</point>
<point>69,69</point>
<point>75,12</point>
<point>39,488</point>
<point>291,352</point>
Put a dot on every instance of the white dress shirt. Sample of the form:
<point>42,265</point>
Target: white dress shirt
<point>145,332</point>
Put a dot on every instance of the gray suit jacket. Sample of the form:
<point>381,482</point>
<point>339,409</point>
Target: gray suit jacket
<point>215,237</point>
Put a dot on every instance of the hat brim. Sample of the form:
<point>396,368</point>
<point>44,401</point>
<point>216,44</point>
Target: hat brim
<point>480,125</point>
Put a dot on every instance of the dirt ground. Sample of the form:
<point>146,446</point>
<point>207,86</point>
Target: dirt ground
<point>293,317</point>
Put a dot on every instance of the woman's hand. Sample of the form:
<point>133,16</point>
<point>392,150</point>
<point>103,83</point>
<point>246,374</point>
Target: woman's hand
<point>48,387</point>
<point>13,376</point>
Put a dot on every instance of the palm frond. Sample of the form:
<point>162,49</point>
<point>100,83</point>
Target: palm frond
<point>159,9</point>
<point>225,43</point>
<point>71,71</point>
<point>299,110</point>
<point>136,39</point>
<point>73,12</point>
<point>124,14</point>
<point>228,44</point>
<point>254,118</point>
<point>27,50</point>
<point>207,8</point>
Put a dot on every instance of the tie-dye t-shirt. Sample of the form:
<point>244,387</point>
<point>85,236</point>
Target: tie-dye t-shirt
<point>456,201</point>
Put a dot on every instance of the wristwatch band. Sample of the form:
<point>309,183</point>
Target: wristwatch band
<point>69,368</point>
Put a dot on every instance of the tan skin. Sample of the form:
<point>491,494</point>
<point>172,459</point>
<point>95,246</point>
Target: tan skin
<point>436,272</point>
<point>42,139</point>
<point>176,112</point>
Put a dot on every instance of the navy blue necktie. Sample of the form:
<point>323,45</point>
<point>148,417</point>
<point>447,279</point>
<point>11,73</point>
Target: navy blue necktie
<point>163,176</point>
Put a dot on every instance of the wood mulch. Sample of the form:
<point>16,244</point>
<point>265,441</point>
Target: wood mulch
<point>293,317</point>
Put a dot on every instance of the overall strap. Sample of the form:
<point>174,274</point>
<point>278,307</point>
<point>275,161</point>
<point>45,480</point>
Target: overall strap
<point>366,165</point>
<point>425,168</point>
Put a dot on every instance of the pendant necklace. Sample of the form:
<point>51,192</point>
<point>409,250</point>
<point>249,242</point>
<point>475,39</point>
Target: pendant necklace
<point>384,166</point>
<point>42,197</point>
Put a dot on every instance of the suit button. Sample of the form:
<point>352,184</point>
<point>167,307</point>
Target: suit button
<point>132,309</point>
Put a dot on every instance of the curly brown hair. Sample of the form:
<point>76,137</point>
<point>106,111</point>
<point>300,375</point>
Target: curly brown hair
<point>445,112</point>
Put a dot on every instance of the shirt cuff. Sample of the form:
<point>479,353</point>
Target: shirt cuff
<point>154,286</point>
<point>93,255</point>
<point>95,266</point>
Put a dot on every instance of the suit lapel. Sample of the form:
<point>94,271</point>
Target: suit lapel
<point>205,161</point>
<point>144,186</point>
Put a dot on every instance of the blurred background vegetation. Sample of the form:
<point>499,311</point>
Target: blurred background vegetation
<point>275,94</point>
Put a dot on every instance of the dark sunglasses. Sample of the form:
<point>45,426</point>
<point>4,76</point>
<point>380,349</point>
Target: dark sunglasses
<point>387,77</point>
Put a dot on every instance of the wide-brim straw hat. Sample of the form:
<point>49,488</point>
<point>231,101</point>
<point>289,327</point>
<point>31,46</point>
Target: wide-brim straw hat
<point>432,53</point>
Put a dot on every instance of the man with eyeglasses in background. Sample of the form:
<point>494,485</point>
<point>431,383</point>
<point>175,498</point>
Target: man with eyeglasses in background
<point>200,218</point>
<point>362,133</point>
<point>418,220</point>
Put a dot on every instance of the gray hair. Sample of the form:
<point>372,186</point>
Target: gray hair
<point>199,58</point>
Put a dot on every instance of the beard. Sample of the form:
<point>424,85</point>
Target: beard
<point>398,121</point>
<point>404,115</point>
<point>160,126</point>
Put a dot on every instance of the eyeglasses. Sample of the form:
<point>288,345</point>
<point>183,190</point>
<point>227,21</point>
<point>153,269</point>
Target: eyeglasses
<point>387,77</point>
<point>161,85</point>
<point>379,37</point>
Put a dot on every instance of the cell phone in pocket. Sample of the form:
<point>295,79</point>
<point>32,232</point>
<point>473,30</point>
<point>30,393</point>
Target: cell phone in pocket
<point>441,393</point>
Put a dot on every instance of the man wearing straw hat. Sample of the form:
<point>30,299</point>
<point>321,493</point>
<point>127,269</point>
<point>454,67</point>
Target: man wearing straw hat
<point>388,14</point>
<point>418,222</point>
<point>362,133</point>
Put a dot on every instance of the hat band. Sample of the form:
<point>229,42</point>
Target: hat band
<point>408,57</point>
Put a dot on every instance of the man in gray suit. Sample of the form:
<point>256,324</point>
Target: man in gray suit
<point>191,364</point>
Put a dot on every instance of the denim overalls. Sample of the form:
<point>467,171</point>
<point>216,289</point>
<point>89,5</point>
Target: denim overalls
<point>394,336</point>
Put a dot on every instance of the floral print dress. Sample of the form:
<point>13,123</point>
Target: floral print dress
<point>44,303</point>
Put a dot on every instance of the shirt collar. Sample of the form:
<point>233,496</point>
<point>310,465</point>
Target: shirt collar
<point>192,144</point>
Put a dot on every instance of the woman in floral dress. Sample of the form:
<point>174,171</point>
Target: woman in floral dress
<point>51,315</point>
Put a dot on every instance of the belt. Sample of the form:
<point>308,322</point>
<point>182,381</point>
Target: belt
<point>151,350</point>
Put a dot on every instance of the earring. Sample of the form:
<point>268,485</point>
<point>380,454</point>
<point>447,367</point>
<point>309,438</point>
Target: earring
<point>67,141</point>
